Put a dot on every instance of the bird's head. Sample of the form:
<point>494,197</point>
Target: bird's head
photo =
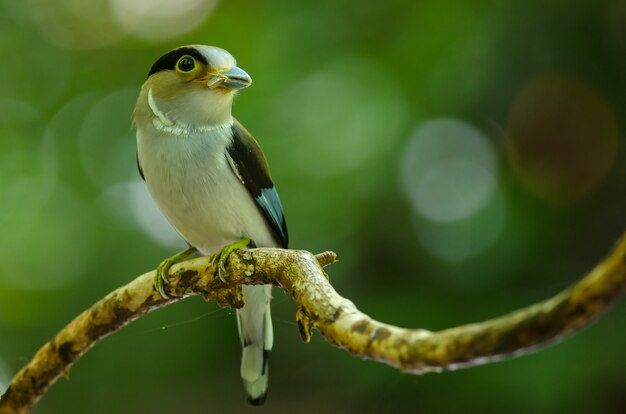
<point>191,85</point>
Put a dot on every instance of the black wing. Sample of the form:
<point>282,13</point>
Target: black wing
<point>250,166</point>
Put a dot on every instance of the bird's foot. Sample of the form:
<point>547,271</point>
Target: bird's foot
<point>220,258</point>
<point>163,269</point>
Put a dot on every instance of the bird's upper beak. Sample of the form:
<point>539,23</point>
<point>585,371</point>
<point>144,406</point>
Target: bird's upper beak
<point>231,78</point>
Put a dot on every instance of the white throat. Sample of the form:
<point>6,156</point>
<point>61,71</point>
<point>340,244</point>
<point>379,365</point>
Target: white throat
<point>162,123</point>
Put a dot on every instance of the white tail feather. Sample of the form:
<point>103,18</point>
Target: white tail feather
<point>254,321</point>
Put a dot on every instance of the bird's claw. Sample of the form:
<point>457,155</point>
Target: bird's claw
<point>161,279</point>
<point>220,258</point>
<point>159,285</point>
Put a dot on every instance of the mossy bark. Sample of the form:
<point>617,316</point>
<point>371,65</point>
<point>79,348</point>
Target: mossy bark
<point>319,306</point>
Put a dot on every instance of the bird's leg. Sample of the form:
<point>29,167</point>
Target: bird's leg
<point>220,258</point>
<point>163,269</point>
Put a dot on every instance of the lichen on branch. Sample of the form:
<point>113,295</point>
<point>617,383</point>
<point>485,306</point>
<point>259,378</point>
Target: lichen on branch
<point>301,275</point>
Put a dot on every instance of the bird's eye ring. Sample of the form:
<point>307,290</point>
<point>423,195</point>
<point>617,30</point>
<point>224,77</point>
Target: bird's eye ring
<point>186,64</point>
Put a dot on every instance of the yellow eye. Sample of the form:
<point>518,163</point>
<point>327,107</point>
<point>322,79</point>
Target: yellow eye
<point>186,64</point>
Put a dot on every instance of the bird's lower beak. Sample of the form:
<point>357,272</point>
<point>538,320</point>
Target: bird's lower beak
<point>231,78</point>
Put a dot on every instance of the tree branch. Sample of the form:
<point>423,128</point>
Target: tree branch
<point>300,274</point>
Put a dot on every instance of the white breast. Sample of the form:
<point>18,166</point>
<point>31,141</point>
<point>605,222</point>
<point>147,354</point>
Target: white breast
<point>194,186</point>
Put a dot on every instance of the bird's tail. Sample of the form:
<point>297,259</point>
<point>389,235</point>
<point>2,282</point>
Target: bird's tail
<point>254,321</point>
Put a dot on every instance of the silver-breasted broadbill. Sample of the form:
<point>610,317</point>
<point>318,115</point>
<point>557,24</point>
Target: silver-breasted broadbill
<point>211,180</point>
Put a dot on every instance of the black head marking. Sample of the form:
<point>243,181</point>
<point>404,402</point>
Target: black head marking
<point>168,60</point>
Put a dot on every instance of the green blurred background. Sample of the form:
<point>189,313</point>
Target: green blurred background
<point>463,159</point>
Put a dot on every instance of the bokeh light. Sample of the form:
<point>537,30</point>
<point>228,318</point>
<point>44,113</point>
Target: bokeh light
<point>347,114</point>
<point>450,176</point>
<point>130,204</point>
<point>20,157</point>
<point>106,140</point>
<point>40,79</point>
<point>149,217</point>
<point>52,220</point>
<point>160,19</point>
<point>562,137</point>
<point>461,239</point>
<point>70,25</point>
<point>449,170</point>
<point>59,140</point>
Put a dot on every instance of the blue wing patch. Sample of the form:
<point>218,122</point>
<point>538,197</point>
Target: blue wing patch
<point>270,204</point>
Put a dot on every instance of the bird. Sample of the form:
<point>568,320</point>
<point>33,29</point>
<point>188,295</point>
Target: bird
<point>211,180</point>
